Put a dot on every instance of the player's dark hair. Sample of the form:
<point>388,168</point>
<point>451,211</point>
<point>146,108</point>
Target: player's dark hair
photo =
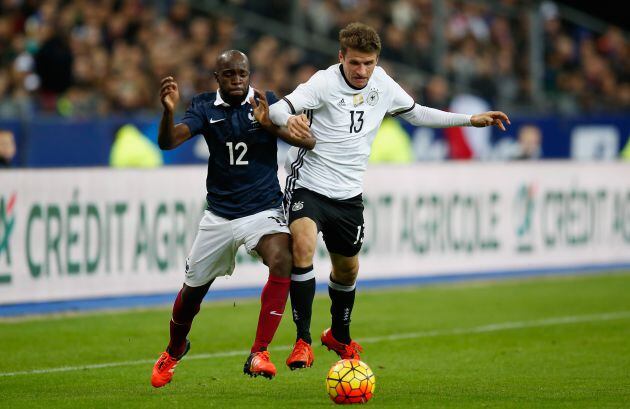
<point>360,37</point>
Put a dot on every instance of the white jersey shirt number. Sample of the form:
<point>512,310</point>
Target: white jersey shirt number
<point>344,121</point>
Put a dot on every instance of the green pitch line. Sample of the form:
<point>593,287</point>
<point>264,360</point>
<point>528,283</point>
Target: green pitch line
<point>504,326</point>
<point>555,342</point>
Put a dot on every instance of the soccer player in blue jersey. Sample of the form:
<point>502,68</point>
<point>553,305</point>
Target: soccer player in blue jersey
<point>244,203</point>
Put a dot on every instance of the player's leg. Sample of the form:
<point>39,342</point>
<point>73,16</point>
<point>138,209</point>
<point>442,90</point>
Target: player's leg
<point>266,235</point>
<point>275,253</point>
<point>211,255</point>
<point>342,289</point>
<point>304,243</point>
<point>343,235</point>
<point>304,215</point>
<point>187,305</point>
<point>302,291</point>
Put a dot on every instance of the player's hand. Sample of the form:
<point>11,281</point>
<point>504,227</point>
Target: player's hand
<point>169,93</point>
<point>490,118</point>
<point>299,127</point>
<point>261,109</point>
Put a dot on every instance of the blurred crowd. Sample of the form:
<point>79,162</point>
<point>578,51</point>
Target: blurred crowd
<point>487,52</point>
<point>80,58</point>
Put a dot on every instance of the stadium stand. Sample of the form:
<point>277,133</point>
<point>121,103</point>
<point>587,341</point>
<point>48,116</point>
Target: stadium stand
<point>94,58</point>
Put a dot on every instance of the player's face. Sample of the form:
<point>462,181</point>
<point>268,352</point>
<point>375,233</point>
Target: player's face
<point>233,79</point>
<point>358,66</point>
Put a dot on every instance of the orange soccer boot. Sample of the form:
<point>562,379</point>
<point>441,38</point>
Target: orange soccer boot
<point>165,367</point>
<point>301,356</point>
<point>258,363</point>
<point>345,351</point>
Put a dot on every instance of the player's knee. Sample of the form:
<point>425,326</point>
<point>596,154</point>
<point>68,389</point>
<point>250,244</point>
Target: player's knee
<point>188,303</point>
<point>345,277</point>
<point>303,251</point>
<point>280,263</point>
<point>345,272</point>
<point>193,296</point>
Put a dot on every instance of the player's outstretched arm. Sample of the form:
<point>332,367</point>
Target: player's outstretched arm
<point>170,136</point>
<point>490,118</point>
<point>420,115</point>
<point>261,113</point>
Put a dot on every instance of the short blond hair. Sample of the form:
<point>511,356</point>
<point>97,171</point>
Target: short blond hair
<point>360,37</point>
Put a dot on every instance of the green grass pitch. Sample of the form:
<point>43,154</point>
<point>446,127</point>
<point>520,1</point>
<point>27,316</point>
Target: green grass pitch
<point>561,342</point>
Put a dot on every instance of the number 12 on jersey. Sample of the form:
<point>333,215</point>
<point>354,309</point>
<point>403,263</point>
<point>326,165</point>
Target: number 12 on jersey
<point>241,149</point>
<point>356,128</point>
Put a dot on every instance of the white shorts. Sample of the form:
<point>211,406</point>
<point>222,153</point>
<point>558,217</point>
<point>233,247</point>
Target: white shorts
<point>214,250</point>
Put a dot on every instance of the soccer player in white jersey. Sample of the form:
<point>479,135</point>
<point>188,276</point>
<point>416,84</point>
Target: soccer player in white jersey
<point>343,106</point>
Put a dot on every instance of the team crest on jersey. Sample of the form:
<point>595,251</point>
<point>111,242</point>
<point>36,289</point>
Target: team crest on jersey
<point>250,116</point>
<point>255,123</point>
<point>357,99</point>
<point>297,206</point>
<point>372,98</point>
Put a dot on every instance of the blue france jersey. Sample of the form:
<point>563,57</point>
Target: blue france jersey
<point>243,167</point>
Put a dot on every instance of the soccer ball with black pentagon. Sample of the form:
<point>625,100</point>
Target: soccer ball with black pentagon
<point>350,381</point>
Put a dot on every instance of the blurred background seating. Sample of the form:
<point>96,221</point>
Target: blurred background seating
<point>103,59</point>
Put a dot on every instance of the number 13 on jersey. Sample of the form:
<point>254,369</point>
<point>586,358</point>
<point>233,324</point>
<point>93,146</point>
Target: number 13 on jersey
<point>356,121</point>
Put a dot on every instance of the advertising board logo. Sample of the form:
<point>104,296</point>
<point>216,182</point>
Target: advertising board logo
<point>7,223</point>
<point>523,216</point>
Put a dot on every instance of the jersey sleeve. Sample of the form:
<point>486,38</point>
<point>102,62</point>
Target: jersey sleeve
<point>309,95</point>
<point>401,101</point>
<point>194,117</point>
<point>271,97</point>
<point>434,118</point>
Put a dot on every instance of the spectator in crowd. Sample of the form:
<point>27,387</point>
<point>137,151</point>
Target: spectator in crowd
<point>436,93</point>
<point>7,148</point>
<point>529,143</point>
<point>97,58</point>
<point>53,65</point>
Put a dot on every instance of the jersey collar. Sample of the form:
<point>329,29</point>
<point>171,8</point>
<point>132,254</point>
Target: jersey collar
<point>343,75</point>
<point>219,101</point>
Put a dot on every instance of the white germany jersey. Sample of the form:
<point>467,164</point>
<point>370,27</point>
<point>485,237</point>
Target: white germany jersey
<point>344,121</point>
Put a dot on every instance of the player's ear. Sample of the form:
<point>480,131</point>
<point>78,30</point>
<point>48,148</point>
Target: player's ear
<point>340,56</point>
<point>216,75</point>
